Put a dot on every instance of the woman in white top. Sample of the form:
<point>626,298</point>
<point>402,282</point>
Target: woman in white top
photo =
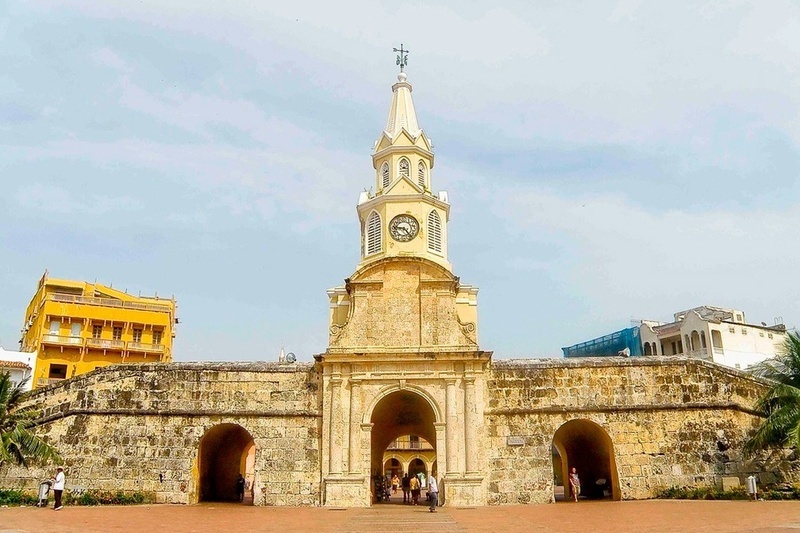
<point>58,487</point>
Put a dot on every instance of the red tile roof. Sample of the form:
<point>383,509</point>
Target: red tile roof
<point>13,364</point>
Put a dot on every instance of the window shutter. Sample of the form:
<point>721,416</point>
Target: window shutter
<point>434,232</point>
<point>404,168</point>
<point>421,174</point>
<point>385,175</point>
<point>374,236</point>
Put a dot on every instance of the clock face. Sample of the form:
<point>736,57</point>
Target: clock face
<point>403,228</point>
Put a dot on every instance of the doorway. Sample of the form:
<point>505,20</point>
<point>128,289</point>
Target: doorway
<point>587,447</point>
<point>226,450</point>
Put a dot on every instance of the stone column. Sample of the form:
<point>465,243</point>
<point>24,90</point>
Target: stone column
<point>452,429</point>
<point>335,437</point>
<point>470,425</point>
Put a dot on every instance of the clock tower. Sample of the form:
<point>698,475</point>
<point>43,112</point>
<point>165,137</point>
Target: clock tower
<point>403,356</point>
<point>403,217</point>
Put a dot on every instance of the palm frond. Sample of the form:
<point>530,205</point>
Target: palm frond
<point>17,443</point>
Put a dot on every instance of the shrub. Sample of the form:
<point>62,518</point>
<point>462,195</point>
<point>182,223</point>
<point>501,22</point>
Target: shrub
<point>107,497</point>
<point>16,497</point>
<point>738,493</point>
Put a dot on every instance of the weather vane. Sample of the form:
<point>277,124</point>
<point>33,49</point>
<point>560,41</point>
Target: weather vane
<point>402,58</point>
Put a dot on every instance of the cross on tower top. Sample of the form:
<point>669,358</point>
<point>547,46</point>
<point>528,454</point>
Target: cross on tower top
<point>402,58</point>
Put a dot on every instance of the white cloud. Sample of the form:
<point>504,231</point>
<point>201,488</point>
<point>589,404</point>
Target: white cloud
<point>628,259</point>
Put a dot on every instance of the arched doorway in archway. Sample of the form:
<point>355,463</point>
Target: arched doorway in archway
<point>226,450</point>
<point>585,446</point>
<point>398,417</point>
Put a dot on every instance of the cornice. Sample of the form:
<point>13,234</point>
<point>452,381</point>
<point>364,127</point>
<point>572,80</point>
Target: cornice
<point>403,198</point>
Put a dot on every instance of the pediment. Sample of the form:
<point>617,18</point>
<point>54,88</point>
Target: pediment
<point>403,186</point>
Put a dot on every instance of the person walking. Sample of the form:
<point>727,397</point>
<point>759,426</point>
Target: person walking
<point>574,484</point>
<point>395,483</point>
<point>58,487</point>
<point>415,490</point>
<point>405,483</point>
<point>433,490</point>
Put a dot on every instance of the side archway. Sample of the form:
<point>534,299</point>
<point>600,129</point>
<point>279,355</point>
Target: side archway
<point>587,447</point>
<point>225,451</point>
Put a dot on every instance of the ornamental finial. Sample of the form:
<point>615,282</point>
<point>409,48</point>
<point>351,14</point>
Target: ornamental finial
<point>402,58</point>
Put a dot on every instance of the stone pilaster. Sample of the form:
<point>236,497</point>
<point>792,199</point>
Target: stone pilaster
<point>452,426</point>
<point>470,426</point>
<point>335,438</point>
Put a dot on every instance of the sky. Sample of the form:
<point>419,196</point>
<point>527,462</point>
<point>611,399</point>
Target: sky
<point>605,161</point>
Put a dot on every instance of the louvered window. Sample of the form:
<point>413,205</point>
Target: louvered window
<point>385,175</point>
<point>421,174</point>
<point>434,232</point>
<point>404,168</point>
<point>374,237</point>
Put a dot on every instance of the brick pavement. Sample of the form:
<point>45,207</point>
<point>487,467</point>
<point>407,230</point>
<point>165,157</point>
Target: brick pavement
<point>651,516</point>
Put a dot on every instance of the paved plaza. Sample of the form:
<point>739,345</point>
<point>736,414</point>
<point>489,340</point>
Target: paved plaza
<point>589,517</point>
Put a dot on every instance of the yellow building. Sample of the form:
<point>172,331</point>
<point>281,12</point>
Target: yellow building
<point>75,327</point>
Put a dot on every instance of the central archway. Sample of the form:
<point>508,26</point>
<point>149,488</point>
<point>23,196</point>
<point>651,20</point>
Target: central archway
<point>226,450</point>
<point>395,417</point>
<point>585,446</point>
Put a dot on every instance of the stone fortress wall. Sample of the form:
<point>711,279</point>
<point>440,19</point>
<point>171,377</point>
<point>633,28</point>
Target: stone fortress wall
<point>139,427</point>
<point>669,422</point>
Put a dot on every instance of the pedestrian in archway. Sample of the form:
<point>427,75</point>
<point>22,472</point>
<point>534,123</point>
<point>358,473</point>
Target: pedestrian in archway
<point>415,490</point>
<point>574,484</point>
<point>240,487</point>
<point>433,491</point>
<point>406,484</point>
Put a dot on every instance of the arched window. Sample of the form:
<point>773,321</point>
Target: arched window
<point>385,175</point>
<point>421,174</point>
<point>434,232</point>
<point>404,168</point>
<point>374,237</point>
<point>703,339</point>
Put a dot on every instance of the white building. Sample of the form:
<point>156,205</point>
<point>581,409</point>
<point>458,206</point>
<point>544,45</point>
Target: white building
<point>715,334</point>
<point>18,364</point>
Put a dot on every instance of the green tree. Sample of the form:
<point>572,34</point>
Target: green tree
<point>17,443</point>
<point>781,403</point>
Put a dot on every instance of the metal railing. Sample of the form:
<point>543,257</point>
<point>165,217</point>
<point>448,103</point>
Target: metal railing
<point>107,302</point>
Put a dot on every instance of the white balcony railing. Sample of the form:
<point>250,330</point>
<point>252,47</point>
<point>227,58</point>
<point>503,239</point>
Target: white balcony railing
<point>43,382</point>
<point>106,344</point>
<point>107,302</point>
<point>145,347</point>
<point>50,338</point>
